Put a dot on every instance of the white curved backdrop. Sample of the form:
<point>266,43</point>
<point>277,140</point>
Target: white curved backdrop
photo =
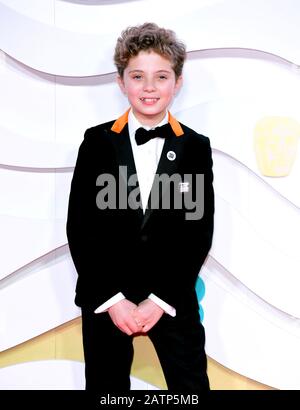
<point>57,79</point>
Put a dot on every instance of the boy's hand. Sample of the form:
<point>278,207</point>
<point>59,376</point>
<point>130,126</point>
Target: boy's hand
<point>147,314</point>
<point>121,314</point>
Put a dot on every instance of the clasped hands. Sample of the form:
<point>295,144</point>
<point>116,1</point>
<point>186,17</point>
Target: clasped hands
<point>131,318</point>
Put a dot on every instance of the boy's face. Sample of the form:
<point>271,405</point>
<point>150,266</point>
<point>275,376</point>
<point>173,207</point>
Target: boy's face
<point>150,85</point>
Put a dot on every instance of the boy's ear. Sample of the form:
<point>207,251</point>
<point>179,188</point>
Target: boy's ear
<point>120,81</point>
<point>178,84</point>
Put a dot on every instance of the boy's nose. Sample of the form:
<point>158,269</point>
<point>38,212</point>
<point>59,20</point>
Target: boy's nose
<point>149,86</point>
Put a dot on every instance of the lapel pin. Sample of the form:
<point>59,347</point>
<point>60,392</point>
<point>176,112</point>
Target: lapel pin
<point>184,186</point>
<point>171,155</point>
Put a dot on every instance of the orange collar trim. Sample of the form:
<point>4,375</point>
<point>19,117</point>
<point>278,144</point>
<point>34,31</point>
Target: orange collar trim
<point>176,127</point>
<point>120,123</point>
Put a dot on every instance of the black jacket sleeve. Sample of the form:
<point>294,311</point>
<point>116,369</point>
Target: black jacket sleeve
<point>87,233</point>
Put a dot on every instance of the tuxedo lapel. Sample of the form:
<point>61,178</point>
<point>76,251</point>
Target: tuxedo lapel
<point>168,164</point>
<point>125,160</point>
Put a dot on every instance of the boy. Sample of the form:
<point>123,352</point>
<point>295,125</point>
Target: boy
<point>140,223</point>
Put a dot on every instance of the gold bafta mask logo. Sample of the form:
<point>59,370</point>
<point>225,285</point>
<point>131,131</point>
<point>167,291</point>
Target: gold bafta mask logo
<point>275,144</point>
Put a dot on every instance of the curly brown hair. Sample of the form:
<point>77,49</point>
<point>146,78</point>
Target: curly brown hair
<point>149,37</point>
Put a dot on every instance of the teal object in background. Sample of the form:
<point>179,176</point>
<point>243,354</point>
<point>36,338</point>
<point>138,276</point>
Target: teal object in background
<point>200,290</point>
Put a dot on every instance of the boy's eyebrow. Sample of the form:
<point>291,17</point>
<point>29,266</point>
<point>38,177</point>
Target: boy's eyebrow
<point>134,71</point>
<point>163,71</point>
<point>141,71</point>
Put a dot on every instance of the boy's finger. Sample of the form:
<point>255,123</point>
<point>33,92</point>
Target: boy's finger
<point>126,330</point>
<point>134,327</point>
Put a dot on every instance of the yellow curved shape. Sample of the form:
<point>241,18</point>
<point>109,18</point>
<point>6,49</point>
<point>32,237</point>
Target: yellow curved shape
<point>65,343</point>
<point>275,143</point>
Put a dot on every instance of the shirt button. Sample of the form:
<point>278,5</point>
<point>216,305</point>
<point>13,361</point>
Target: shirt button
<point>144,238</point>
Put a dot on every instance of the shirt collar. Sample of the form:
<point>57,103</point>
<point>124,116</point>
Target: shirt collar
<point>120,123</point>
<point>134,124</point>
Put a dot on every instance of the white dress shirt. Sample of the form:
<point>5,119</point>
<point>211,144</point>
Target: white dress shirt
<point>146,158</point>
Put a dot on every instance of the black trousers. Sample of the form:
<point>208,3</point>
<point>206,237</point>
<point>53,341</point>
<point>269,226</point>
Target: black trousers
<point>179,343</point>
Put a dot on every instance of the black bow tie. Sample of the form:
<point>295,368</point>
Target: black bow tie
<point>142,136</point>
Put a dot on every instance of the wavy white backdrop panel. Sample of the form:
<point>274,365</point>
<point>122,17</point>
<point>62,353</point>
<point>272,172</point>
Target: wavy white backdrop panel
<point>52,375</point>
<point>56,78</point>
<point>69,47</point>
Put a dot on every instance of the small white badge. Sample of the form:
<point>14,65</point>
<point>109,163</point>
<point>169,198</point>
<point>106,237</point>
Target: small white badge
<point>184,186</point>
<point>171,155</point>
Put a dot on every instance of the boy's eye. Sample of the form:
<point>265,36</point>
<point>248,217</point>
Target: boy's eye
<point>162,77</point>
<point>137,77</point>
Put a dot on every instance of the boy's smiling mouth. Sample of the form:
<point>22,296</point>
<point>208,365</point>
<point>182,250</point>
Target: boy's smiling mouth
<point>149,100</point>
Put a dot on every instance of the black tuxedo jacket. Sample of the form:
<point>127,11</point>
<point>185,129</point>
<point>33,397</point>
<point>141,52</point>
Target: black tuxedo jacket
<point>119,249</point>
